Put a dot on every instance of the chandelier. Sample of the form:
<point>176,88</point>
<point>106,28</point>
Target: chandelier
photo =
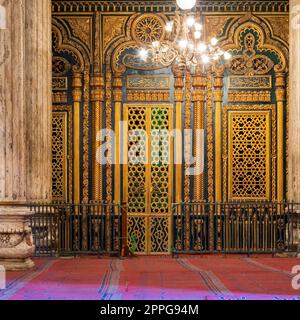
<point>184,36</point>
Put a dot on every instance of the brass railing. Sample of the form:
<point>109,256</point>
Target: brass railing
<point>241,227</point>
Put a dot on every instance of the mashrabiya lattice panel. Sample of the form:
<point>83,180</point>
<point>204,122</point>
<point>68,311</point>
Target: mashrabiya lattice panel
<point>160,159</point>
<point>159,228</point>
<point>58,156</point>
<point>249,155</point>
<point>137,156</point>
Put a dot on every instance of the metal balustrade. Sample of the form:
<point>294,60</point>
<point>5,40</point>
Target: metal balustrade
<point>232,227</point>
<point>241,227</point>
<point>68,229</point>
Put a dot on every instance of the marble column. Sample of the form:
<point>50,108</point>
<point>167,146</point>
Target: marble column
<point>294,104</point>
<point>294,114</point>
<point>25,124</point>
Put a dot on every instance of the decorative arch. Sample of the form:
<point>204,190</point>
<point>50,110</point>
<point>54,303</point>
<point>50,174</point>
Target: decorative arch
<point>63,42</point>
<point>265,42</point>
<point>255,76</point>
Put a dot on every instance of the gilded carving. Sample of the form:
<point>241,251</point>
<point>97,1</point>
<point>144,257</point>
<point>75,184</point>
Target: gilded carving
<point>59,83</point>
<point>249,138</point>
<point>249,96</point>
<point>148,28</point>
<point>154,96</point>
<point>215,26</point>
<point>86,100</point>
<point>232,6</point>
<point>59,97</point>
<point>81,28</point>
<point>279,26</point>
<point>113,27</point>
<point>152,82</point>
<point>210,139</point>
<point>249,63</point>
<point>123,35</point>
<point>250,82</point>
<point>60,66</point>
<point>59,156</point>
<point>239,36</point>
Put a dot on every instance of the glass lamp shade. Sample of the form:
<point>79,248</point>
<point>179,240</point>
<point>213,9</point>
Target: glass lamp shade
<point>186,4</point>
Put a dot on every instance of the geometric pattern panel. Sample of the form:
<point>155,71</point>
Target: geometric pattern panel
<point>160,159</point>
<point>148,177</point>
<point>59,154</point>
<point>137,233</point>
<point>159,229</point>
<point>136,167</point>
<point>249,150</point>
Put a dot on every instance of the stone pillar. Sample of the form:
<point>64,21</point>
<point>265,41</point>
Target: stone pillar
<point>25,124</point>
<point>294,104</point>
<point>294,116</point>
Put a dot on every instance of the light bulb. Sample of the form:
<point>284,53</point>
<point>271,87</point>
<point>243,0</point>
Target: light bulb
<point>214,41</point>
<point>205,58</point>
<point>183,44</point>
<point>197,35</point>
<point>143,53</point>
<point>169,26</point>
<point>190,21</point>
<point>155,44</point>
<point>227,56</point>
<point>201,47</point>
<point>198,26</point>
<point>191,46</point>
<point>186,4</point>
<point>164,49</point>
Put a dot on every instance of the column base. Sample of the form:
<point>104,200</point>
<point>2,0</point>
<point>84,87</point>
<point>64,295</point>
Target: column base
<point>288,255</point>
<point>16,242</point>
<point>17,264</point>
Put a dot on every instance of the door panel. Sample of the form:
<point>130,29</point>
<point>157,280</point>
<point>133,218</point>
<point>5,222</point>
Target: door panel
<point>148,183</point>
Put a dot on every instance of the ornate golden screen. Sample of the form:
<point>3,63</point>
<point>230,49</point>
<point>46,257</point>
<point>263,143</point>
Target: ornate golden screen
<point>148,178</point>
<point>61,153</point>
<point>249,155</point>
<point>59,156</point>
<point>249,141</point>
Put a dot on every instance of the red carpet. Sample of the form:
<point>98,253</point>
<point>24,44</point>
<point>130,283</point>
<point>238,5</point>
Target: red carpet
<point>162,278</point>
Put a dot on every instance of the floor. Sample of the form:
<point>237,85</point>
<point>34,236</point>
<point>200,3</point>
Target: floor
<point>160,278</point>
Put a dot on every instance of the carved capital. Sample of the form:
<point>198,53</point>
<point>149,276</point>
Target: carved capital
<point>118,94</point>
<point>218,96</point>
<point>179,95</point>
<point>97,80</point>
<point>179,82</point>
<point>280,80</point>
<point>199,81</point>
<point>118,80</point>
<point>77,87</point>
<point>218,82</point>
<point>280,94</point>
<point>97,85</point>
<point>199,95</point>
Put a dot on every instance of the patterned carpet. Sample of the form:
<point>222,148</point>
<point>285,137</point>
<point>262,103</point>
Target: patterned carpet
<point>155,278</point>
